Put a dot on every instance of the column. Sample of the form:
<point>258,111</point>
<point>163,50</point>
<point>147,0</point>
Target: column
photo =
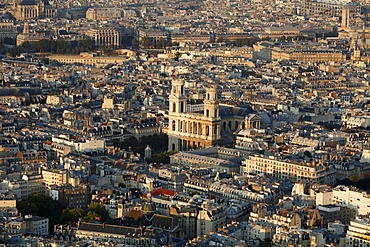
<point>219,131</point>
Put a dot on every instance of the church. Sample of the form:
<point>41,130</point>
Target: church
<point>33,9</point>
<point>213,125</point>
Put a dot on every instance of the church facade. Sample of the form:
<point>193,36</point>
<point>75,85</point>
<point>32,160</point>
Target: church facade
<point>33,9</point>
<point>214,125</point>
<point>190,130</point>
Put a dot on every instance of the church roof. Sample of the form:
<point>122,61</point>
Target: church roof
<point>230,111</point>
<point>28,2</point>
<point>33,2</point>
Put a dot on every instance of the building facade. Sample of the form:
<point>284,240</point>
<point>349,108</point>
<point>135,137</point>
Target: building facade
<point>104,36</point>
<point>192,130</point>
<point>54,177</point>
<point>7,29</point>
<point>31,9</point>
<point>210,218</point>
<point>358,233</point>
<point>102,14</point>
<point>327,8</point>
<point>289,170</point>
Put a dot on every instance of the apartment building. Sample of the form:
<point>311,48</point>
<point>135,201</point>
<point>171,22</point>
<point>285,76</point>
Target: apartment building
<point>54,177</point>
<point>28,224</point>
<point>343,195</point>
<point>7,29</point>
<point>71,196</point>
<point>358,233</point>
<point>133,236</point>
<point>210,218</point>
<point>289,169</point>
<point>328,8</point>
<point>29,157</point>
<point>103,14</point>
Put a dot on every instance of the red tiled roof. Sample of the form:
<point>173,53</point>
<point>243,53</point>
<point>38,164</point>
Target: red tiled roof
<point>161,191</point>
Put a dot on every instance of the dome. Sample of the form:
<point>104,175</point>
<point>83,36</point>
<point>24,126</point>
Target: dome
<point>148,207</point>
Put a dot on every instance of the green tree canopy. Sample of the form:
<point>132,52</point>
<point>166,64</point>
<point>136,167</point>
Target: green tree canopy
<point>71,216</point>
<point>41,205</point>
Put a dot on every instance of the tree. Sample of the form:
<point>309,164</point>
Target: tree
<point>147,42</point>
<point>163,157</point>
<point>134,43</point>
<point>355,178</point>
<point>71,216</point>
<point>130,142</point>
<point>91,216</point>
<point>41,205</point>
<point>158,143</point>
<point>97,210</point>
<point>177,56</point>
